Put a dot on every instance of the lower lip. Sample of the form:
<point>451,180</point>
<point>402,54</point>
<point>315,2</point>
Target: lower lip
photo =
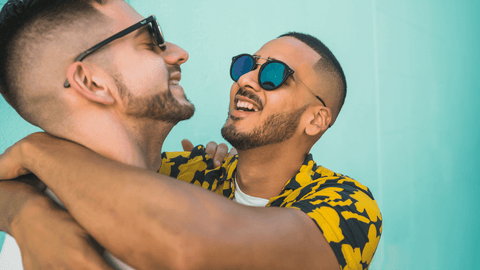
<point>241,114</point>
<point>177,90</point>
<point>176,86</point>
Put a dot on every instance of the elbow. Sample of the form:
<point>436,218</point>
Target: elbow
<point>186,251</point>
<point>204,249</point>
<point>189,256</point>
<point>200,252</point>
<point>174,259</point>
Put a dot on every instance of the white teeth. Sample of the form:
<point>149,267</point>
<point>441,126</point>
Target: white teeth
<point>174,82</point>
<point>246,105</point>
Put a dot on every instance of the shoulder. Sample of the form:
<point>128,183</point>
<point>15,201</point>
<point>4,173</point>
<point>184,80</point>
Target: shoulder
<point>197,168</point>
<point>343,209</point>
<point>175,163</point>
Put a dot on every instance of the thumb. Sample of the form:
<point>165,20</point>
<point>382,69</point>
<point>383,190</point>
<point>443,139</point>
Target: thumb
<point>187,145</point>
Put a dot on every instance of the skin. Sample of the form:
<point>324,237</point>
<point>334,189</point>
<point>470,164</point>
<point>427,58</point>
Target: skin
<point>251,175</point>
<point>205,231</point>
<point>155,70</point>
<point>95,118</point>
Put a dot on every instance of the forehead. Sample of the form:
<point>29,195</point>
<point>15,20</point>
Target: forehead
<point>290,50</point>
<point>121,14</point>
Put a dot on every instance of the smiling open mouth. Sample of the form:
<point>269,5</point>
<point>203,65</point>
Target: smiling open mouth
<point>246,106</point>
<point>247,102</point>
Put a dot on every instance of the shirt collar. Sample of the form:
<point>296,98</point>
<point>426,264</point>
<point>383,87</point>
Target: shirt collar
<point>304,176</point>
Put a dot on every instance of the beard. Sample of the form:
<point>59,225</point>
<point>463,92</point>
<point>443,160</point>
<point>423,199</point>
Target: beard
<point>162,106</point>
<point>276,129</point>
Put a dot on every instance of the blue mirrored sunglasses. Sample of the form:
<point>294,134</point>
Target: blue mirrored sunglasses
<point>272,74</point>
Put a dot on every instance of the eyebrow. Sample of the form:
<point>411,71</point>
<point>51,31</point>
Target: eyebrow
<point>268,58</point>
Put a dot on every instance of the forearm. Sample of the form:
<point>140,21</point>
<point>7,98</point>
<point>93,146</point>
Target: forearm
<point>122,206</point>
<point>151,221</point>
<point>14,196</point>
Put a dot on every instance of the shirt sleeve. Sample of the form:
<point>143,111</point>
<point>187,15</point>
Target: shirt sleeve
<point>348,217</point>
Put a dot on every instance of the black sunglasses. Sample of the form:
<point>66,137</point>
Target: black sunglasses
<point>272,74</point>
<point>155,29</point>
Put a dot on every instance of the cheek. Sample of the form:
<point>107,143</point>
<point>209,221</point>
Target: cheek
<point>233,92</point>
<point>280,101</point>
<point>143,72</point>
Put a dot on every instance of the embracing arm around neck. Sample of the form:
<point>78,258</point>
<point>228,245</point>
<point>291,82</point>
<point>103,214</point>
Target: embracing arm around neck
<point>152,221</point>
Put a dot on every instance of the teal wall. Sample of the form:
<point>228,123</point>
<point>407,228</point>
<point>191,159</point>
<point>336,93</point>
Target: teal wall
<point>410,126</point>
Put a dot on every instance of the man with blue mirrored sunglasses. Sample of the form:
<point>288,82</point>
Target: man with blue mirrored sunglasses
<point>315,218</point>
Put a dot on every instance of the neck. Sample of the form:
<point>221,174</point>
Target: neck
<point>263,172</point>
<point>149,139</point>
<point>138,144</point>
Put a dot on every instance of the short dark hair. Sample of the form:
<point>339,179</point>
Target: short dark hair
<point>328,60</point>
<point>21,17</point>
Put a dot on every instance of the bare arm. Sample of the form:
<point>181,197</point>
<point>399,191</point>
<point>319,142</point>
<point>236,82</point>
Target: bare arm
<point>14,196</point>
<point>152,221</point>
<point>48,237</point>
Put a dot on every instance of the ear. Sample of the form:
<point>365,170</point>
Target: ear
<point>319,121</point>
<point>90,82</point>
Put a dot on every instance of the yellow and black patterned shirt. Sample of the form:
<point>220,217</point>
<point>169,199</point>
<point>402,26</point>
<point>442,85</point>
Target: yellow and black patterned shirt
<point>344,210</point>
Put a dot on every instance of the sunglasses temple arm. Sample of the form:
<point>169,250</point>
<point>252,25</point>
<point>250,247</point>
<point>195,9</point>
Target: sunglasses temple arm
<point>108,40</point>
<point>312,92</point>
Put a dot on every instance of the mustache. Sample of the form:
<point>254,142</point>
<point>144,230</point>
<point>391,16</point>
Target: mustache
<point>174,68</point>
<point>250,95</point>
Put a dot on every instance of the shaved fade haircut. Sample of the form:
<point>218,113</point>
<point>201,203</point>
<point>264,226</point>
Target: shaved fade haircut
<point>25,25</point>
<point>328,64</point>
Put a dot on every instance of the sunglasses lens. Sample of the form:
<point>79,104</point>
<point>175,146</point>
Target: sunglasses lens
<point>240,66</point>
<point>158,32</point>
<point>272,76</point>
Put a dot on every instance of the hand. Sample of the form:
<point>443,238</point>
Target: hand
<point>217,152</point>
<point>49,238</point>
<point>11,163</point>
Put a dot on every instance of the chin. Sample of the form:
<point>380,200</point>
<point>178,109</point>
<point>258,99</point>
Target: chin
<point>181,98</point>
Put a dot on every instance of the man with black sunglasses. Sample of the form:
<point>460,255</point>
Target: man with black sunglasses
<point>284,98</point>
<point>93,72</point>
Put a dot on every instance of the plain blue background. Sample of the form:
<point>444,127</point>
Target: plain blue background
<point>409,129</point>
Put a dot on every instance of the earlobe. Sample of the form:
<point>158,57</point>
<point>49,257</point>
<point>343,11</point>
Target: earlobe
<point>318,121</point>
<point>89,84</point>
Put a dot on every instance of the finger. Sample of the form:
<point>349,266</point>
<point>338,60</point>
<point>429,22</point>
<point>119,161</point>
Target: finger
<point>211,148</point>
<point>187,145</point>
<point>3,165</point>
<point>220,154</point>
<point>232,153</point>
<point>10,167</point>
<point>9,170</point>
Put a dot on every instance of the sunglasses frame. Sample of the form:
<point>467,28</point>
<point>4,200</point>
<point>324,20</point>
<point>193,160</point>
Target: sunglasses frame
<point>286,74</point>
<point>157,33</point>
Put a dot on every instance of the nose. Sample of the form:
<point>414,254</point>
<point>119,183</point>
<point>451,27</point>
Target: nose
<point>174,54</point>
<point>250,80</point>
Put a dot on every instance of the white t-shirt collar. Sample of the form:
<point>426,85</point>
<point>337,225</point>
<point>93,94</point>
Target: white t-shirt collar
<point>245,199</point>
